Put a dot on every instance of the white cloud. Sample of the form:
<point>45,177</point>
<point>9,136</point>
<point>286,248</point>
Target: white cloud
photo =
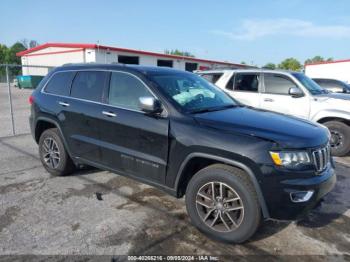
<point>254,28</point>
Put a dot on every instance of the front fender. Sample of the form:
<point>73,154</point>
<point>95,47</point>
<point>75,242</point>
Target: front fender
<point>331,113</point>
<point>231,162</point>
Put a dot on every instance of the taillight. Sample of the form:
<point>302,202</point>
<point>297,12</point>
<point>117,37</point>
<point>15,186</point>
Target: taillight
<point>31,99</point>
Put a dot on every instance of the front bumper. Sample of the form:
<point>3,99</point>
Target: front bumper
<point>279,199</point>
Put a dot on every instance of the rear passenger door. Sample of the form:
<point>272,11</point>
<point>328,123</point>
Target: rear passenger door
<point>132,142</point>
<point>245,88</point>
<point>81,114</point>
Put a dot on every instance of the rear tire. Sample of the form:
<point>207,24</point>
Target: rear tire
<point>233,221</point>
<point>340,141</point>
<point>53,155</point>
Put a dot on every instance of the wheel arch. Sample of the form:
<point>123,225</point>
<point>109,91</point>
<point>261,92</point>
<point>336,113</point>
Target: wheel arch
<point>332,115</point>
<point>331,118</point>
<point>190,161</point>
<point>43,123</point>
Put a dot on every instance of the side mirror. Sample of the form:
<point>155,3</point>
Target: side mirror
<point>150,105</point>
<point>295,92</point>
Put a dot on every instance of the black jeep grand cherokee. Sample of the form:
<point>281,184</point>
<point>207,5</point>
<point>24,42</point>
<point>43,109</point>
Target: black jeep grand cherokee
<point>176,131</point>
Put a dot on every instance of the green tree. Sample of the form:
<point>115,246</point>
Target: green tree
<point>178,52</point>
<point>317,59</point>
<point>11,57</point>
<point>270,66</point>
<point>3,56</point>
<point>12,51</point>
<point>243,63</point>
<point>8,56</point>
<point>290,64</point>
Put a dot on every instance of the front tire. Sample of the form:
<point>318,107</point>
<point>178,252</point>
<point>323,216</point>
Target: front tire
<point>340,140</point>
<point>53,155</point>
<point>222,203</point>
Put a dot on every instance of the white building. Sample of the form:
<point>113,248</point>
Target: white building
<point>335,70</point>
<point>57,54</point>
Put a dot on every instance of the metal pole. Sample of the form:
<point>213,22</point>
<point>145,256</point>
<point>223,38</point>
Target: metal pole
<point>10,100</point>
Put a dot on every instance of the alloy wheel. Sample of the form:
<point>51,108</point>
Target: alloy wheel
<point>219,206</point>
<point>51,152</point>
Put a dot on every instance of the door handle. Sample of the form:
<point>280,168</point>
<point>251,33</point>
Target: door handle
<point>110,114</point>
<point>63,104</point>
<point>268,100</point>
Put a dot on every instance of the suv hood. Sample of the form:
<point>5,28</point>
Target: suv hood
<point>287,131</point>
<point>343,96</point>
<point>333,101</point>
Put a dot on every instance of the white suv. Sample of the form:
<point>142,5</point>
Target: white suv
<point>290,93</point>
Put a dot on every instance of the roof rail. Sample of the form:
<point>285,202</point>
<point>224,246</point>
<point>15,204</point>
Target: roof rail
<point>69,64</point>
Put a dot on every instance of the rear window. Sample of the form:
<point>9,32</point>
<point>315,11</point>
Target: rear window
<point>89,85</point>
<point>212,78</point>
<point>59,84</point>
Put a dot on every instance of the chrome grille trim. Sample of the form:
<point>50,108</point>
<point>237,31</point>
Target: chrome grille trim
<point>321,158</point>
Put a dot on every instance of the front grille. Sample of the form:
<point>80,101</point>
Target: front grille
<point>321,157</point>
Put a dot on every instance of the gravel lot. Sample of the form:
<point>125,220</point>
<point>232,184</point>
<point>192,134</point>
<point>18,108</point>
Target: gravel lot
<point>46,215</point>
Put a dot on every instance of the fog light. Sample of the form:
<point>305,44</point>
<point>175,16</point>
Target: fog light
<point>301,196</point>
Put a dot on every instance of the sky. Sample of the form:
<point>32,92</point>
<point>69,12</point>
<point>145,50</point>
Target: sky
<point>257,32</point>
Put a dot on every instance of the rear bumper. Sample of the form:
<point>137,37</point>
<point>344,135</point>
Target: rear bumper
<point>282,204</point>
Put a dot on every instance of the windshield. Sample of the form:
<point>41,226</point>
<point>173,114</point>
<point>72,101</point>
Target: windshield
<point>192,93</point>
<point>347,87</point>
<point>310,84</point>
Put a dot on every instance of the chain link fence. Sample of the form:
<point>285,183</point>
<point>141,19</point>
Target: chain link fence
<point>16,85</point>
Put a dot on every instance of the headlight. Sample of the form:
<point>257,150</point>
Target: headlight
<point>290,159</point>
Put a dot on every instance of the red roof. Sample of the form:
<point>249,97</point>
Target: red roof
<point>95,46</point>
<point>328,62</point>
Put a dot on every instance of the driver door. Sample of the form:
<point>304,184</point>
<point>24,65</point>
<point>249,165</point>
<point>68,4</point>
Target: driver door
<point>132,141</point>
<point>275,96</point>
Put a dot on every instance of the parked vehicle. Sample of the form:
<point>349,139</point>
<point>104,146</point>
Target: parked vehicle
<point>178,132</point>
<point>290,93</point>
<point>333,85</point>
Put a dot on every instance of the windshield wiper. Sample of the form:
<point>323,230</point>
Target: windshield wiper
<point>212,109</point>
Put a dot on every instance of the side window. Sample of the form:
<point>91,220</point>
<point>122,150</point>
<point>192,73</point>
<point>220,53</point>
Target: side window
<point>89,85</point>
<point>246,82</point>
<point>321,82</point>
<point>277,84</point>
<point>335,84</point>
<point>229,84</point>
<point>125,91</point>
<point>60,83</point>
<point>212,78</point>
